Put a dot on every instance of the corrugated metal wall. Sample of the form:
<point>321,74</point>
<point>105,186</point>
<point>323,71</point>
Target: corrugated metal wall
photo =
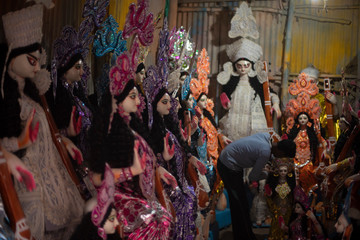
<point>329,40</point>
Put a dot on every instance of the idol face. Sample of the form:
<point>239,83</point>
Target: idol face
<point>202,102</point>
<point>182,78</point>
<point>341,224</point>
<point>140,76</point>
<point>303,119</point>
<point>75,72</point>
<point>190,101</point>
<point>25,65</point>
<point>111,223</point>
<point>131,102</point>
<point>299,209</point>
<point>243,67</point>
<point>283,171</point>
<point>164,105</point>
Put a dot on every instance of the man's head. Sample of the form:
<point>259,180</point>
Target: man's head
<point>284,148</point>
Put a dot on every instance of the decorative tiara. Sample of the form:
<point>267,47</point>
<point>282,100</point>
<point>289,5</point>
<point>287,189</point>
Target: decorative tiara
<point>185,87</point>
<point>109,39</point>
<point>157,76</point>
<point>201,85</point>
<point>71,42</point>
<point>124,70</point>
<point>138,23</point>
<point>95,11</point>
<point>243,24</point>
<point>182,50</point>
<point>304,89</point>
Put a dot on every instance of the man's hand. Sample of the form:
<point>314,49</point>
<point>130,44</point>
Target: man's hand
<point>226,140</point>
<point>331,168</point>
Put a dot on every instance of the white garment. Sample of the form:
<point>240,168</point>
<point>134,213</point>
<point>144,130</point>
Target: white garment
<point>55,206</point>
<point>246,115</point>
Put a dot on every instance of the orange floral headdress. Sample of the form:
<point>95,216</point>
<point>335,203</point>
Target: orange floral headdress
<point>201,85</point>
<point>304,89</point>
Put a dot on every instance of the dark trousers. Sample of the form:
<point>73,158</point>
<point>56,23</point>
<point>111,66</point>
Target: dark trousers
<point>239,207</point>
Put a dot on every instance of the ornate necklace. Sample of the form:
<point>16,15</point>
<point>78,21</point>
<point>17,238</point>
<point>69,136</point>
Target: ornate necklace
<point>283,190</point>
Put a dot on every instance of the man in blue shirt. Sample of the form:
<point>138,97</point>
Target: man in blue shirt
<point>249,152</point>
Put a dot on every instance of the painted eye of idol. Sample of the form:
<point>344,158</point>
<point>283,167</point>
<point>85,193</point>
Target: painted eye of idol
<point>163,106</point>
<point>243,65</point>
<point>78,65</point>
<point>32,59</point>
<point>165,101</point>
<point>111,223</point>
<point>133,94</point>
<point>111,218</point>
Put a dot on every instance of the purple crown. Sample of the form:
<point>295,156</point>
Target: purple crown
<point>105,197</point>
<point>157,76</point>
<point>138,22</point>
<point>72,42</point>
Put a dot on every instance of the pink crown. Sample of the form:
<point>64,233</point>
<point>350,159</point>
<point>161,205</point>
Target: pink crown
<point>138,23</point>
<point>105,196</point>
<point>124,70</point>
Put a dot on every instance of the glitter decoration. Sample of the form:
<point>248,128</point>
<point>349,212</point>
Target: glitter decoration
<point>124,70</point>
<point>72,42</point>
<point>303,103</point>
<point>139,21</point>
<point>109,39</point>
<point>157,76</point>
<point>182,50</point>
<point>201,85</point>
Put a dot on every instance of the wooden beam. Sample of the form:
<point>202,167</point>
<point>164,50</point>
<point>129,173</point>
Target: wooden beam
<point>298,14</point>
<point>286,55</point>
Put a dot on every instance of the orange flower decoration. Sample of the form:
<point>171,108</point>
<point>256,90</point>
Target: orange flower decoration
<point>201,85</point>
<point>303,103</point>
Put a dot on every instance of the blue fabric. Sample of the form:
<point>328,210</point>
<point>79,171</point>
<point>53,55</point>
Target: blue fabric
<point>249,152</point>
<point>224,217</point>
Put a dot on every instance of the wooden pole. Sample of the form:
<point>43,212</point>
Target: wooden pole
<point>357,97</point>
<point>286,55</point>
<point>173,8</point>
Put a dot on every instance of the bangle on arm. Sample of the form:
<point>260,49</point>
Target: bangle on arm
<point>124,174</point>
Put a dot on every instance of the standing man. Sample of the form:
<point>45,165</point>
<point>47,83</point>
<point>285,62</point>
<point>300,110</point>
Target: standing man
<point>248,152</point>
